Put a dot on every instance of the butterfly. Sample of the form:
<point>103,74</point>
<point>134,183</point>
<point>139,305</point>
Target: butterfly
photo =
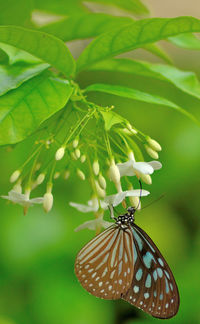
<point>123,262</point>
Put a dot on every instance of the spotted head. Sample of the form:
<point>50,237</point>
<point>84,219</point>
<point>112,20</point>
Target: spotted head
<point>127,219</point>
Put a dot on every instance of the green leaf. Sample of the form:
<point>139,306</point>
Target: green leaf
<point>140,96</point>
<point>92,25</point>
<point>134,6</point>
<point>188,41</point>
<point>111,118</point>
<point>183,80</point>
<point>15,12</point>
<point>85,26</point>
<point>44,46</point>
<point>24,109</point>
<point>12,76</point>
<point>133,36</point>
<point>60,7</point>
<point>16,55</point>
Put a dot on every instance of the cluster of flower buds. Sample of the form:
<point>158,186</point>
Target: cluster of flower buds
<point>102,155</point>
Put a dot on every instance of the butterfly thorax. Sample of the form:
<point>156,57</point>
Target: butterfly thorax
<point>127,219</point>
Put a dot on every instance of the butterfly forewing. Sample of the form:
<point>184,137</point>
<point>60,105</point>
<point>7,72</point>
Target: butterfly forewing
<point>153,287</point>
<point>104,266</point>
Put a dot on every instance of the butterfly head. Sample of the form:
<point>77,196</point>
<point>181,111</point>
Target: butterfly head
<point>127,219</point>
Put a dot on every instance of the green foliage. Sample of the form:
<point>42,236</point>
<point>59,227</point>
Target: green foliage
<point>138,95</point>
<point>46,47</point>
<point>183,80</point>
<point>24,109</point>
<point>37,79</point>
<point>91,25</point>
<point>12,76</point>
<point>133,36</point>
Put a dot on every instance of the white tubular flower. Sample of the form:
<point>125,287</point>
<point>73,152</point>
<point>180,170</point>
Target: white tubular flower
<point>60,153</point>
<point>95,224</point>
<point>17,188</point>
<point>131,167</point>
<point>152,153</point>
<point>102,182</point>
<point>22,199</point>
<point>119,197</point>
<point>83,158</point>
<point>15,175</point>
<point>114,175</point>
<point>135,202</point>
<point>75,143</point>
<point>131,129</point>
<point>146,178</point>
<point>95,167</point>
<point>154,144</point>
<point>40,178</point>
<point>77,153</point>
<point>80,174</point>
<point>92,206</point>
<point>101,192</point>
<point>47,201</point>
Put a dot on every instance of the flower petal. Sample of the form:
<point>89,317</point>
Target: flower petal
<point>156,165</point>
<point>93,224</point>
<point>38,200</point>
<point>82,208</point>
<point>115,199</point>
<point>126,168</point>
<point>143,167</point>
<point>137,193</point>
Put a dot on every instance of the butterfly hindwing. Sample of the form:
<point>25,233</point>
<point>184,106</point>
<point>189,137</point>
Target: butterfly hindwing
<point>153,287</point>
<point>104,266</point>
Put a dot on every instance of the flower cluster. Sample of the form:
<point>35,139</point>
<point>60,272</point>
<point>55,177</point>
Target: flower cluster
<point>83,140</point>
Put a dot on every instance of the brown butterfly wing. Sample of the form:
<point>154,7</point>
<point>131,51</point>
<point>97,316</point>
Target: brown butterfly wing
<point>104,266</point>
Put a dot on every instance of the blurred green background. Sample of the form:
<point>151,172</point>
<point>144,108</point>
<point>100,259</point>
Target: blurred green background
<point>37,252</point>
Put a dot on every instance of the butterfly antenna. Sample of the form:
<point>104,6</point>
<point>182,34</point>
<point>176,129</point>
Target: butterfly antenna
<point>161,196</point>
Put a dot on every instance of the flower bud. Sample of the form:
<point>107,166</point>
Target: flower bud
<point>102,182</point>
<point>131,129</point>
<point>17,188</point>
<point>154,144</point>
<point>66,174</point>
<point>38,166</point>
<point>131,156</point>
<point>126,131</point>
<point>77,153</point>
<point>114,173</point>
<point>60,153</point>
<point>101,193</point>
<point>40,178</point>
<point>56,175</point>
<point>151,152</point>
<point>15,175</point>
<point>80,174</point>
<point>75,143</point>
<point>95,167</point>
<point>48,201</point>
<point>146,178</point>
<point>135,202</point>
<point>83,158</point>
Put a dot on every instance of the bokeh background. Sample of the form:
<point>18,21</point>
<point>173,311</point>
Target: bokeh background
<point>37,252</point>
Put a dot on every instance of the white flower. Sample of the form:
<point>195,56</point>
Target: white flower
<point>60,153</point>
<point>131,167</point>
<point>47,201</point>
<point>95,224</point>
<point>92,206</point>
<point>116,199</point>
<point>22,199</point>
